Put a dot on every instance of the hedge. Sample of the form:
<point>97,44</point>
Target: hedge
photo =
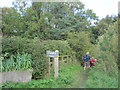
<point>36,48</point>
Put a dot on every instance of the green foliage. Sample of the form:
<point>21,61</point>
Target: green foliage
<point>46,20</point>
<point>37,48</point>
<point>101,27</point>
<point>62,46</point>
<point>79,42</point>
<point>105,74</point>
<point>20,62</point>
<point>99,79</point>
<point>66,77</point>
<point>13,23</point>
<point>58,21</point>
<point>106,51</point>
<point>13,45</point>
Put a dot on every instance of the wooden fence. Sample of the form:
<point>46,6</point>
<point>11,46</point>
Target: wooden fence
<point>62,59</point>
<point>56,62</point>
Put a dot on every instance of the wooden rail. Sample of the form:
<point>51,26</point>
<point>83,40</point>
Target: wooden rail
<point>61,59</point>
<point>65,58</point>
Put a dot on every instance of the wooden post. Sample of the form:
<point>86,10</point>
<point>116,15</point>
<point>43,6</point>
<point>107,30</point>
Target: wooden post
<point>48,72</point>
<point>56,64</point>
<point>49,66</point>
<point>55,67</point>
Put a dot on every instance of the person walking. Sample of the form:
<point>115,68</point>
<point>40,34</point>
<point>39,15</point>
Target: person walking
<point>86,60</point>
<point>91,61</point>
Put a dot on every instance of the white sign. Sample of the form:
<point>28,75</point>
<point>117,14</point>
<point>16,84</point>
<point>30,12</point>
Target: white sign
<point>51,53</point>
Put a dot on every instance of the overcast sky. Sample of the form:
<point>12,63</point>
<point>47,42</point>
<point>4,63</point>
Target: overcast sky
<point>100,7</point>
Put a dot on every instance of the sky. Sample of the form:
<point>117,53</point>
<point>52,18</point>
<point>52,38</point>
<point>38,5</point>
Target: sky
<point>100,7</point>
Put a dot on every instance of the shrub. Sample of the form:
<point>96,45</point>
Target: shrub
<point>106,51</point>
<point>36,48</point>
<point>79,42</point>
<point>13,45</point>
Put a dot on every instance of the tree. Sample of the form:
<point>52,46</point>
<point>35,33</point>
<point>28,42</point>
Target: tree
<point>106,50</point>
<point>80,43</point>
<point>101,27</point>
<point>12,22</point>
<point>47,20</point>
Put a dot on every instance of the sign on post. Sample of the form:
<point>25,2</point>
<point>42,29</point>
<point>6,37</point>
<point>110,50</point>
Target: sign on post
<point>55,56</point>
<point>51,53</point>
<point>56,64</point>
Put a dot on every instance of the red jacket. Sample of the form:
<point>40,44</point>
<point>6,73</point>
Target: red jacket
<point>93,60</point>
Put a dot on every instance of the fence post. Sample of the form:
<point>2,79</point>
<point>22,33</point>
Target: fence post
<point>48,70</point>
<point>56,64</point>
<point>49,66</point>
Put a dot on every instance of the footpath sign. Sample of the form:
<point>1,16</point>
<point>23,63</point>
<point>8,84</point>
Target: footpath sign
<point>55,55</point>
<point>51,53</point>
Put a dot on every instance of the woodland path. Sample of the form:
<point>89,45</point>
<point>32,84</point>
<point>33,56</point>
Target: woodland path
<point>80,79</point>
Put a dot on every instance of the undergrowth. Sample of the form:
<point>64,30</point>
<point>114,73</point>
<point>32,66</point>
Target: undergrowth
<point>100,79</point>
<point>66,77</point>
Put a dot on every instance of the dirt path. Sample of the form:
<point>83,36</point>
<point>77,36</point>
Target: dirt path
<point>80,80</point>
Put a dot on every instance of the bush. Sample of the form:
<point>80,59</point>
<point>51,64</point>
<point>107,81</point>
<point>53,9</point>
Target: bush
<point>79,42</point>
<point>106,51</point>
<point>13,45</point>
<point>36,48</point>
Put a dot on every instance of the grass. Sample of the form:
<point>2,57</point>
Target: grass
<point>100,79</point>
<point>70,76</point>
<point>66,78</point>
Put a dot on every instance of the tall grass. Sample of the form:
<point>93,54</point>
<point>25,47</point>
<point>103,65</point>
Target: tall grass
<point>19,62</point>
<point>100,79</point>
<point>65,79</point>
